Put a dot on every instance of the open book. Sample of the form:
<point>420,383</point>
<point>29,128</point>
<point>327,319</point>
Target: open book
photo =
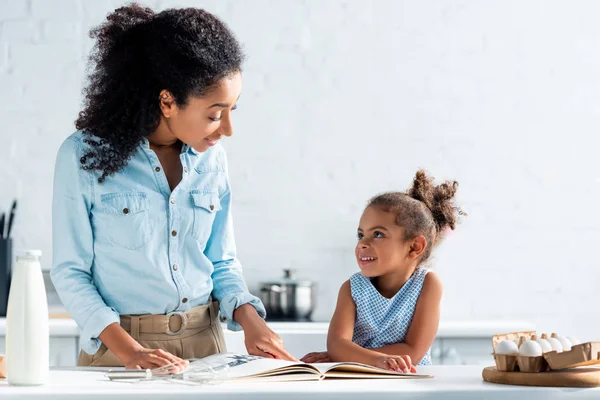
<point>229,366</point>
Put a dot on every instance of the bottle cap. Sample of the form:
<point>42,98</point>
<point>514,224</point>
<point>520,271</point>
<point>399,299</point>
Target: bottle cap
<point>28,253</point>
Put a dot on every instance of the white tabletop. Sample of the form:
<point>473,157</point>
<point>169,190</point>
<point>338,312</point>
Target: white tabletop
<point>449,382</point>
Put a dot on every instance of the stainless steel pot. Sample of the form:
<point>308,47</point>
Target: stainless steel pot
<point>289,299</point>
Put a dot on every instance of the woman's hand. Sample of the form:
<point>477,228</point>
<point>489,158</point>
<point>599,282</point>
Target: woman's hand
<point>143,358</point>
<point>317,357</point>
<point>260,340</point>
<point>134,356</point>
<point>394,363</point>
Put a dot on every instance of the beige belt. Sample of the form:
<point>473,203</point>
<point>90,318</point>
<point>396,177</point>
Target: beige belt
<point>173,323</point>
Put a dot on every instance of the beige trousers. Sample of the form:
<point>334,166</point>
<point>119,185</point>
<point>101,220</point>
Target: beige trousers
<point>196,334</point>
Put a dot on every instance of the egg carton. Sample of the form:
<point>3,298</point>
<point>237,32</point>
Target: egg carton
<point>580,355</point>
<point>515,336</point>
<point>515,362</point>
<point>583,354</point>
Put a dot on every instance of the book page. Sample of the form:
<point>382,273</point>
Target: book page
<point>230,365</point>
<point>324,367</point>
<point>351,367</point>
<point>267,366</point>
<point>362,375</point>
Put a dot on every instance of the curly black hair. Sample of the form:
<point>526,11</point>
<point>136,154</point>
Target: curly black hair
<point>137,54</point>
<point>424,209</point>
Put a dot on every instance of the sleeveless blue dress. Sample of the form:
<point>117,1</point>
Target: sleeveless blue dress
<point>381,321</point>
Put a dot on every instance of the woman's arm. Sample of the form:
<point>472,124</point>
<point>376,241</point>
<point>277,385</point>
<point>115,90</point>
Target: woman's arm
<point>424,324</point>
<point>134,356</point>
<point>73,243</point>
<point>241,309</point>
<point>229,286</point>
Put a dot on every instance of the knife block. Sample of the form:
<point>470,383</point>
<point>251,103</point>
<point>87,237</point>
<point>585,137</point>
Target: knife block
<point>6,258</point>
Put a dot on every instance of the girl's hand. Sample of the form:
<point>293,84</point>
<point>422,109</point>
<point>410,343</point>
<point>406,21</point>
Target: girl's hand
<point>395,363</point>
<point>317,357</point>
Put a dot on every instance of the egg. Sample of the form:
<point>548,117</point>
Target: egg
<point>564,342</point>
<point>556,346</point>
<point>530,348</point>
<point>545,345</point>
<point>507,347</point>
<point>573,340</point>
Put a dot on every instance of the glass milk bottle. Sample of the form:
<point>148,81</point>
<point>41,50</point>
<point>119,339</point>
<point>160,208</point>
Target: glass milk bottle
<point>27,336</point>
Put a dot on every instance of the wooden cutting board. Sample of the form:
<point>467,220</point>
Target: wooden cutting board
<point>576,377</point>
<point>59,315</point>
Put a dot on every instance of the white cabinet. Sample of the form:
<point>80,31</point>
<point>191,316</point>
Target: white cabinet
<point>297,343</point>
<point>234,342</point>
<point>471,351</point>
<point>436,352</point>
<point>63,350</point>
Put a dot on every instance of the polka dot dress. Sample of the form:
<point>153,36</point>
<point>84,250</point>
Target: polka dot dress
<point>381,321</point>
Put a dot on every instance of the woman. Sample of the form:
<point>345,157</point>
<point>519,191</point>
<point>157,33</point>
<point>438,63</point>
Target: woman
<point>144,254</point>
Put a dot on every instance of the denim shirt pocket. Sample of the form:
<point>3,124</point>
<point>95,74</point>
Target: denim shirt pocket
<point>205,206</point>
<point>127,216</point>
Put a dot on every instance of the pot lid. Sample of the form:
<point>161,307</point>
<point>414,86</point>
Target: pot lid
<point>289,278</point>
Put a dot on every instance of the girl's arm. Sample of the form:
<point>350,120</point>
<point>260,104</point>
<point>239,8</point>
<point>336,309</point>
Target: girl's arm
<point>341,328</point>
<point>424,325</point>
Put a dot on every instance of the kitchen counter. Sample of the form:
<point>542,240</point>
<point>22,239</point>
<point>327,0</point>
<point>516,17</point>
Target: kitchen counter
<point>66,327</point>
<point>457,342</point>
<point>447,329</point>
<point>449,382</point>
<point>58,327</point>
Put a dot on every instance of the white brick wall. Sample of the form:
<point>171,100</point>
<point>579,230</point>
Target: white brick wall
<point>11,9</point>
<point>343,99</point>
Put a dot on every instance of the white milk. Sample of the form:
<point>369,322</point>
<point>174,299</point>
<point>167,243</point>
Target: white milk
<point>27,336</point>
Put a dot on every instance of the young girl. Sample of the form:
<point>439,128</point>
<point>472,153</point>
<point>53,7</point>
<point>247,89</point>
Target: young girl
<point>387,315</point>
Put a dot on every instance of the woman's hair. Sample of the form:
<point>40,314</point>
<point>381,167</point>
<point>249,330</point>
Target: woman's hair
<point>137,54</point>
<point>425,209</point>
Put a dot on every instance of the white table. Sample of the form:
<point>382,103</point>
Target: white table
<point>449,382</point>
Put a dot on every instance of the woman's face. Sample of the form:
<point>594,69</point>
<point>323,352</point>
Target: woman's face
<point>204,120</point>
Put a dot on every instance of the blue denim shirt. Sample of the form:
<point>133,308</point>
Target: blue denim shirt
<point>131,246</point>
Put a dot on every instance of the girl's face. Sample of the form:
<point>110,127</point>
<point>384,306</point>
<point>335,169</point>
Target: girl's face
<point>204,120</point>
<point>382,248</point>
